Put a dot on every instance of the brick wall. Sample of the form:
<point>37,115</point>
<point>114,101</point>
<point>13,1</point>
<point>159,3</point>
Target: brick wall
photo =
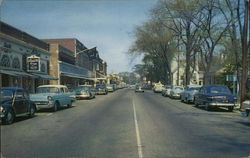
<point>68,43</point>
<point>54,66</point>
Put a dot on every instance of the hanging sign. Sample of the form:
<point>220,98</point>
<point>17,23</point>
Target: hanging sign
<point>33,63</point>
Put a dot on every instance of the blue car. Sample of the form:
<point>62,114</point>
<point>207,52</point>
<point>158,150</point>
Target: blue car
<point>215,96</point>
<point>15,102</point>
<point>52,97</point>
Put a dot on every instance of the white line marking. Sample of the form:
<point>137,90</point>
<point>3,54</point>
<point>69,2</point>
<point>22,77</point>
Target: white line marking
<point>139,146</point>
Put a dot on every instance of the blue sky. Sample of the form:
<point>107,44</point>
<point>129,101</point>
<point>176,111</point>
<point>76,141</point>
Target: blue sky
<point>107,24</point>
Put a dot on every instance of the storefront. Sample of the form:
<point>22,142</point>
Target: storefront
<point>72,75</point>
<point>15,49</point>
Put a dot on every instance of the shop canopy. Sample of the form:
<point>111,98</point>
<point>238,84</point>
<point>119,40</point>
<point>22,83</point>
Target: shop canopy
<point>74,71</point>
<point>44,76</point>
<point>17,73</point>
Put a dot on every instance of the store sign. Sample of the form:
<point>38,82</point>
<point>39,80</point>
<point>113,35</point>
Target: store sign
<point>33,63</point>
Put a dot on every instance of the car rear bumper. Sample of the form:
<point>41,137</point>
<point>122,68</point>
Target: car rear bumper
<point>221,104</point>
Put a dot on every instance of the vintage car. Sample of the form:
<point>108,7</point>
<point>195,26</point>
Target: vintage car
<point>188,94</point>
<point>15,102</point>
<point>52,97</point>
<point>138,88</point>
<point>85,92</point>
<point>175,92</point>
<point>166,90</point>
<point>111,88</point>
<point>101,89</point>
<point>215,96</point>
<point>158,88</point>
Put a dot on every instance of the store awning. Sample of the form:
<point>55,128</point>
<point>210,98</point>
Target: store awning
<point>24,74</point>
<point>45,76</point>
<point>74,75</point>
<point>17,73</point>
<point>11,73</point>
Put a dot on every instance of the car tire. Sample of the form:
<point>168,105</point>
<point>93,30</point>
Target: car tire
<point>231,108</point>
<point>32,111</point>
<point>196,103</point>
<point>55,107</point>
<point>9,117</point>
<point>207,107</point>
<point>69,105</point>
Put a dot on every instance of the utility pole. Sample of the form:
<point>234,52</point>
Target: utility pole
<point>244,54</point>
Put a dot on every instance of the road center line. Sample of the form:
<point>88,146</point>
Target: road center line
<point>139,146</point>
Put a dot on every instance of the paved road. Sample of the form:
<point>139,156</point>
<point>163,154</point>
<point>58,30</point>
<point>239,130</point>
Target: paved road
<point>125,124</point>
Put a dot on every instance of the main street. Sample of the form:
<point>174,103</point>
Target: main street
<point>125,124</point>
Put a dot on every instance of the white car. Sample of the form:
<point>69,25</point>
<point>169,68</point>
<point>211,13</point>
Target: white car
<point>158,88</point>
<point>188,94</point>
<point>166,91</point>
<point>176,92</point>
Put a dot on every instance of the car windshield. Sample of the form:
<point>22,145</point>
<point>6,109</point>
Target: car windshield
<point>220,89</point>
<point>83,88</point>
<point>5,94</point>
<point>178,88</point>
<point>100,86</point>
<point>47,90</point>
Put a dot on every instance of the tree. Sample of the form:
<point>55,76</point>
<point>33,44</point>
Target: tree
<point>183,18</point>
<point>156,43</point>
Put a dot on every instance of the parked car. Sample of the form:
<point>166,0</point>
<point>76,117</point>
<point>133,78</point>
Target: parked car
<point>111,88</point>
<point>215,96</point>
<point>188,94</point>
<point>158,88</point>
<point>85,92</point>
<point>52,97</point>
<point>15,102</point>
<point>101,89</point>
<point>176,91</point>
<point>166,90</point>
<point>138,88</point>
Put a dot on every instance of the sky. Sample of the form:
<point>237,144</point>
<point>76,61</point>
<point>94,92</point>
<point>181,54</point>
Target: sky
<point>105,24</point>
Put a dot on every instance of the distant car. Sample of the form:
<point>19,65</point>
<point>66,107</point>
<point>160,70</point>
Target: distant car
<point>111,88</point>
<point>215,96</point>
<point>101,89</point>
<point>52,97</point>
<point>158,88</point>
<point>139,89</point>
<point>85,92</point>
<point>176,91</point>
<point>188,94</point>
<point>15,102</point>
<point>166,90</point>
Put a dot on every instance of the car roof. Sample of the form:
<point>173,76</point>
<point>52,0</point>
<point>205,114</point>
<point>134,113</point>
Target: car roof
<point>58,86</point>
<point>11,88</point>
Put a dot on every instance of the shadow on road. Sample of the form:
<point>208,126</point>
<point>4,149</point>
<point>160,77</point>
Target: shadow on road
<point>245,123</point>
<point>215,109</point>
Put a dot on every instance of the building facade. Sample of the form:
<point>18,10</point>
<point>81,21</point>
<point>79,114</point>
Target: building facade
<point>17,48</point>
<point>63,66</point>
<point>86,59</point>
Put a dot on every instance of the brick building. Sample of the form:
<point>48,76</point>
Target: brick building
<point>16,47</point>
<point>85,58</point>
<point>62,66</point>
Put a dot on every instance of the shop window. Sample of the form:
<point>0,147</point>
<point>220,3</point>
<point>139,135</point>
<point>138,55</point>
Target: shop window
<point>5,61</point>
<point>16,63</point>
<point>42,67</point>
